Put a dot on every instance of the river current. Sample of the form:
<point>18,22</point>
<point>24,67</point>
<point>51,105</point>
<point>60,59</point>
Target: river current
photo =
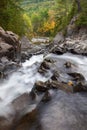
<point>23,80</point>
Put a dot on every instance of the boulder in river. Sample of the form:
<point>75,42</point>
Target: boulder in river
<point>80,87</point>
<point>40,86</point>
<point>77,76</point>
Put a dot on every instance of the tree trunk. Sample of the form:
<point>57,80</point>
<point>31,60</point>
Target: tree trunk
<point>79,5</point>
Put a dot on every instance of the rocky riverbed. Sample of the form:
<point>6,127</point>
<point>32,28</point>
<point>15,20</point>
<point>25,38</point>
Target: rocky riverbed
<point>47,88</point>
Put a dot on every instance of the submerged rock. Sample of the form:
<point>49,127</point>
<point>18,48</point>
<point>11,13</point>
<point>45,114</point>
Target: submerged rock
<point>40,86</point>
<point>47,96</point>
<point>68,65</point>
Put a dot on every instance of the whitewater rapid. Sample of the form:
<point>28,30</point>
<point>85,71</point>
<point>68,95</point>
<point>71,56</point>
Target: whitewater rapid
<point>24,79</point>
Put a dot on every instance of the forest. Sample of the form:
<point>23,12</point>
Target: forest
<point>40,17</point>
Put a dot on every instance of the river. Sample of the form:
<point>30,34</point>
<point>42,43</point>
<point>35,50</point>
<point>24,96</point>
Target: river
<point>23,80</point>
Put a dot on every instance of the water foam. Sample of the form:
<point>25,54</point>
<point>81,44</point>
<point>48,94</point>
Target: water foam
<point>22,81</point>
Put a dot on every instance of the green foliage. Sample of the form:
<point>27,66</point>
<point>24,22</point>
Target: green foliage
<point>11,17</point>
<point>82,21</point>
<point>48,16</point>
<point>40,17</point>
<point>40,13</point>
<point>64,12</point>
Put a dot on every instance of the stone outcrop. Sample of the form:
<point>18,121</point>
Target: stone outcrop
<point>75,42</point>
<point>10,50</point>
<point>9,44</point>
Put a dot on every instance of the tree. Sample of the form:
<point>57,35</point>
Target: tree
<point>11,16</point>
<point>78,5</point>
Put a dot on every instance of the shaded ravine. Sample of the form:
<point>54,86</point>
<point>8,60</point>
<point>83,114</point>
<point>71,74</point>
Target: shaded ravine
<point>64,112</point>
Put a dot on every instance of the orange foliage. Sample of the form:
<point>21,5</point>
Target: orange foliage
<point>48,26</point>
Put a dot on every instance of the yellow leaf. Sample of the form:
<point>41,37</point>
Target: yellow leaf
<point>70,83</point>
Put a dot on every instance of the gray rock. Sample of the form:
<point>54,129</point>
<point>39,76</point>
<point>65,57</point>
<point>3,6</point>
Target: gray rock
<point>58,38</point>
<point>40,86</point>
<point>9,44</point>
<point>65,112</point>
<point>25,43</point>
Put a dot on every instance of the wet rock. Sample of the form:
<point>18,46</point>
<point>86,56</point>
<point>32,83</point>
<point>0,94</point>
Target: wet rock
<point>58,50</point>
<point>10,67</point>
<point>42,70</point>
<point>80,87</point>
<point>49,60</point>
<point>55,76</point>
<point>7,68</point>
<point>46,97</point>
<point>45,65</point>
<point>68,65</point>
<point>25,56</point>
<point>60,86</point>
<point>77,76</point>
<point>40,86</point>
<point>33,94</point>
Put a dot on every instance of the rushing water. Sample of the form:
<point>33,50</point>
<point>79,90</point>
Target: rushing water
<point>23,80</point>
<point>77,60</point>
